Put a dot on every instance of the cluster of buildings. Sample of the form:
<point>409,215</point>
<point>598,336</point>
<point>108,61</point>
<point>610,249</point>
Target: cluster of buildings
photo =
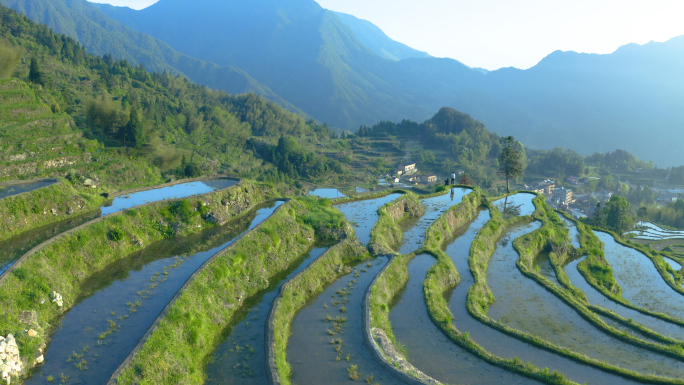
<point>407,173</point>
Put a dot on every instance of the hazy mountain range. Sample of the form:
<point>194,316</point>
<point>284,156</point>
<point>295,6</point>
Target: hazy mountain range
<point>347,72</point>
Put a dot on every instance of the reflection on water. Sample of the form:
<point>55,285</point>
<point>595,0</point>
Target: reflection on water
<point>501,344</point>
<point>414,233</point>
<point>428,349</point>
<point>596,298</point>
<point>178,191</point>
<point>641,283</point>
<point>6,191</point>
<point>364,214</point>
<point>241,359</point>
<point>330,193</point>
<point>516,205</point>
<point>327,335</point>
<point>119,305</point>
<point>524,305</point>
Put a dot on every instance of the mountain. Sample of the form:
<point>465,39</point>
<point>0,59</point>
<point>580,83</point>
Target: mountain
<point>347,73</point>
<point>375,39</point>
<point>307,55</point>
<point>629,99</point>
<point>102,35</point>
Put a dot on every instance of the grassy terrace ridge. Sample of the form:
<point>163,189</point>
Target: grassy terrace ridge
<point>394,277</point>
<point>386,234</point>
<point>592,247</point>
<point>66,264</point>
<point>294,294</point>
<point>480,298</point>
<point>443,277</point>
<point>553,235</point>
<point>33,209</point>
<point>198,321</point>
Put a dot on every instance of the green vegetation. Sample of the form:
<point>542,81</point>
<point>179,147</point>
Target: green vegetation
<point>511,160</point>
<point>25,294</point>
<point>386,234</point>
<point>205,310</point>
<point>309,283</point>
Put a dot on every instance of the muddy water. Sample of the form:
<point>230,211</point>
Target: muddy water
<point>13,248</point>
<point>516,205</point>
<point>428,349</point>
<point>241,359</point>
<point>414,231</point>
<point>327,335</point>
<point>96,335</point>
<point>178,191</point>
<point>524,305</point>
<point>641,283</point>
<point>6,191</point>
<point>499,343</point>
<point>364,214</point>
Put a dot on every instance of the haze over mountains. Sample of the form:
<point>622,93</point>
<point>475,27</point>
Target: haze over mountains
<point>347,72</point>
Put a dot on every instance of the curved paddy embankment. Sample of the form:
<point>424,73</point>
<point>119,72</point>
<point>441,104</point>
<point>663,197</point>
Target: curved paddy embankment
<point>242,358</point>
<point>96,335</point>
<point>25,294</point>
<point>329,320</point>
<point>13,248</point>
<point>641,282</point>
<point>523,305</point>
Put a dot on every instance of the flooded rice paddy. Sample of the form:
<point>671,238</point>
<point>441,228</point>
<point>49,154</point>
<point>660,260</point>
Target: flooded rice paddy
<point>178,191</point>
<point>524,305</point>
<point>97,334</point>
<point>428,349</point>
<point>641,283</point>
<point>596,298</point>
<point>414,230</point>
<point>519,204</point>
<point>242,358</point>
<point>327,335</point>
<point>502,344</point>
<point>7,190</point>
<point>364,214</point>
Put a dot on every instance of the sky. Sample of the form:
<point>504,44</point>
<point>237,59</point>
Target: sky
<point>492,34</point>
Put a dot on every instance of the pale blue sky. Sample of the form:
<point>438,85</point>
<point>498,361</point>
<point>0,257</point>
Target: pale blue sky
<point>501,33</point>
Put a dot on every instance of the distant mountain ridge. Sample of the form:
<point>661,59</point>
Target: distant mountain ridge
<point>347,72</point>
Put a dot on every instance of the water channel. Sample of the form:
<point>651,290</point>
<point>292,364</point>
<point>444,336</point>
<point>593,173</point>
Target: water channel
<point>501,344</point>
<point>364,214</point>
<point>16,189</point>
<point>524,305</point>
<point>178,191</point>
<point>414,229</point>
<point>97,334</point>
<point>242,357</point>
<point>641,283</point>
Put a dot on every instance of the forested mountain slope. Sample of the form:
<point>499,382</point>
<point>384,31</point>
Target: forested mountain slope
<point>162,121</point>
<point>102,35</point>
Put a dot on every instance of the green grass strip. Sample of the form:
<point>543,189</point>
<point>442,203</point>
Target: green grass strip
<point>67,263</point>
<point>386,234</point>
<point>179,349</point>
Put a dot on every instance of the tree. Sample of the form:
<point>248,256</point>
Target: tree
<point>35,76</point>
<point>510,160</point>
<point>619,218</point>
<point>9,59</point>
<point>134,132</point>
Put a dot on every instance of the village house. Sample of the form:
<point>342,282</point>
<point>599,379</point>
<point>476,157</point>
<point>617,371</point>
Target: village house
<point>545,187</point>
<point>562,196</point>
<point>406,168</point>
<point>431,178</point>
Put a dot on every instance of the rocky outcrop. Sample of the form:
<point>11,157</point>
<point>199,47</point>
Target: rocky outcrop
<point>10,364</point>
<point>56,297</point>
